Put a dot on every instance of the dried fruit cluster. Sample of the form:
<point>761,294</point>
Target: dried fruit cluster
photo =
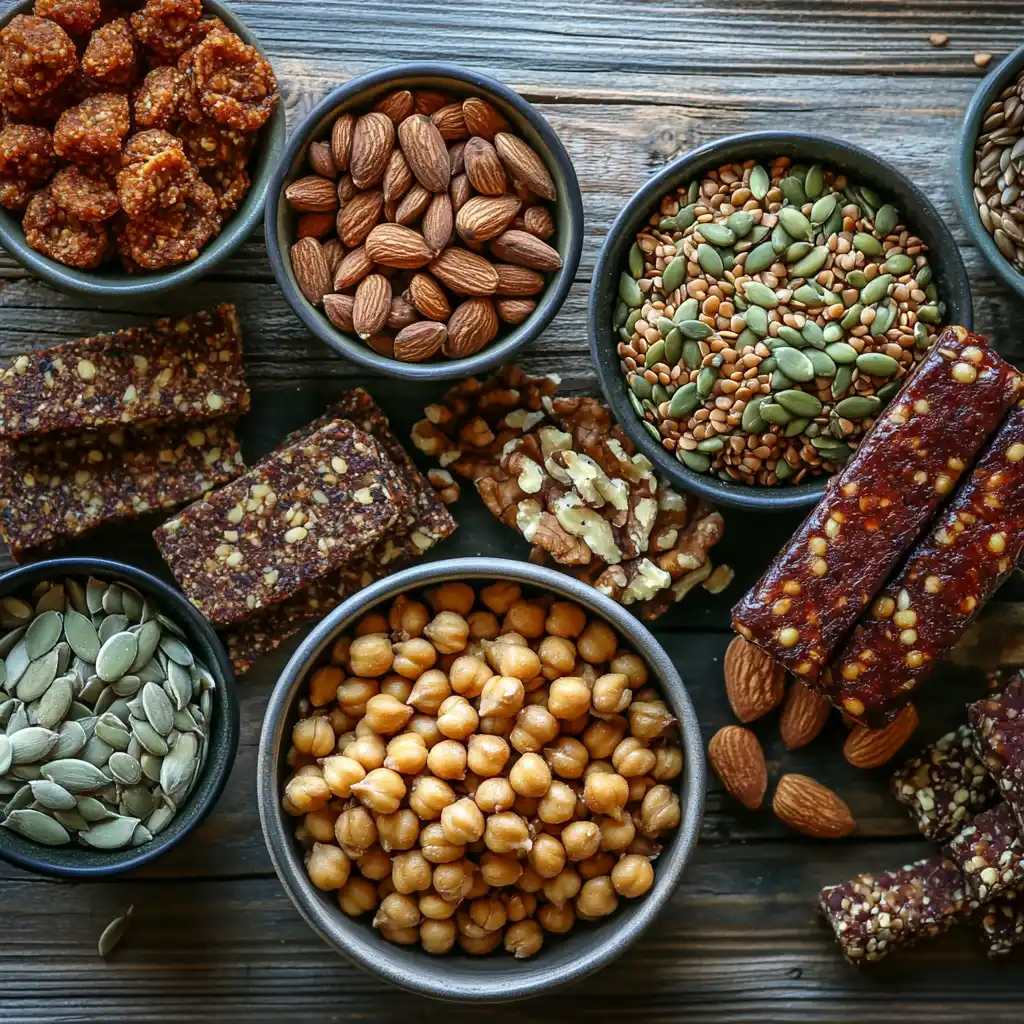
<point>423,225</point>
<point>140,146</point>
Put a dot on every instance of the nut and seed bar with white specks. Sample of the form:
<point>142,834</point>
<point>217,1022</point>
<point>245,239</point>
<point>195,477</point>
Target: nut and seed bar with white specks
<point>298,515</point>
<point>999,734</point>
<point>173,370</point>
<point>1002,926</point>
<point>990,854</point>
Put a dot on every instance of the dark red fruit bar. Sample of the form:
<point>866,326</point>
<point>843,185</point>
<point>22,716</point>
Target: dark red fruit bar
<point>1002,926</point>
<point>878,505</point>
<point>918,617</point>
<point>990,854</point>
<point>875,915</point>
<point>170,371</point>
<point>295,517</point>
<point>999,735</point>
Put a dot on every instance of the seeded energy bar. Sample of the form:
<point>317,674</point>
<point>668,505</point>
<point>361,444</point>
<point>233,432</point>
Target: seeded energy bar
<point>999,734</point>
<point>62,487</point>
<point>1002,927</point>
<point>948,577</point>
<point>877,506</point>
<point>299,514</point>
<point>990,855</point>
<point>172,370</point>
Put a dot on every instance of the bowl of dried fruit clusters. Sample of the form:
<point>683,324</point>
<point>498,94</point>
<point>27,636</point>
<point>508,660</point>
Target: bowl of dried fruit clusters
<point>138,141</point>
<point>478,756</point>
<point>426,221</point>
<point>118,717</point>
<point>758,302</point>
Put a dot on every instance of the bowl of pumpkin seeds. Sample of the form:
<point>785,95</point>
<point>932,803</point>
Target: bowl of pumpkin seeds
<point>759,302</point>
<point>118,717</point>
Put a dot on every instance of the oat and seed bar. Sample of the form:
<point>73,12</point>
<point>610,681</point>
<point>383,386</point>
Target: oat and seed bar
<point>990,854</point>
<point>875,915</point>
<point>173,370</point>
<point>945,786</point>
<point>1002,926</point>
<point>58,488</point>
<point>949,575</point>
<point>296,516</point>
<point>877,506</point>
<point>999,734</point>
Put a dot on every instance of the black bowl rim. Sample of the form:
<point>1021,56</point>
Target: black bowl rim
<point>99,284</point>
<point>766,499</point>
<point>195,811</point>
<point>552,299</point>
<point>986,92</point>
<point>366,950</point>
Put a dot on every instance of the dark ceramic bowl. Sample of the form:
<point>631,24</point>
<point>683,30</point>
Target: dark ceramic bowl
<point>864,167</point>
<point>359,95</point>
<point>589,946</point>
<point>992,85</point>
<point>106,282</point>
<point>73,861</point>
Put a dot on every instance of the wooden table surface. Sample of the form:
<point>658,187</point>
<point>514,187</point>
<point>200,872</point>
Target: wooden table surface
<point>628,86</point>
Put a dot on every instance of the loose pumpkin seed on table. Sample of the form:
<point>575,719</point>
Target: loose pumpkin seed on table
<point>104,716</point>
<point>767,314</point>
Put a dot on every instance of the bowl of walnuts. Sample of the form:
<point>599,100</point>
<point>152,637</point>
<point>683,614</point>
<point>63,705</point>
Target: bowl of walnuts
<point>480,778</point>
<point>426,221</point>
<point>137,140</point>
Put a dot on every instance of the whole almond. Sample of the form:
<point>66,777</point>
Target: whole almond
<point>334,253</point>
<point>341,141</point>
<point>517,281</point>
<point>321,161</point>
<point>538,221</point>
<point>803,717</point>
<point>754,683</point>
<point>482,118</point>
<point>393,245</point>
<point>358,216</point>
<point>809,807</point>
<point>485,217</point>
<point>398,105</point>
<point>523,248</point>
<point>309,265</point>
<point>465,272</point>
<point>438,222</point>
<point>339,310</point>
<point>428,297</point>
<point>524,165</point>
<point>738,760</point>
<point>413,205</point>
<point>460,191</point>
<point>372,305</point>
<point>450,122</point>
<point>471,326</point>
<point>354,266</point>
<point>483,168</point>
<point>390,209</point>
<point>425,151</point>
<point>420,341</point>
<point>870,748</point>
<point>426,101</point>
<point>312,194</point>
<point>315,225</point>
<point>402,313</point>
<point>456,157</point>
<point>383,343</point>
<point>372,142</point>
<point>398,178</point>
<point>346,189</point>
<point>515,311</point>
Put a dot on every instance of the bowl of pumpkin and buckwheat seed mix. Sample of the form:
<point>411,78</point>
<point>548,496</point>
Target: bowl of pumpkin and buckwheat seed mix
<point>758,302</point>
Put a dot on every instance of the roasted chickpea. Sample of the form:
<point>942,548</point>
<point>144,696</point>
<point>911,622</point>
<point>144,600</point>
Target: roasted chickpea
<point>433,907</point>
<point>369,751</point>
<point>483,625</point>
<point>506,832</point>
<point>557,657</point>
<point>398,830</point>
<point>479,946</point>
<point>428,797</point>
<point>534,727</point>
<point>502,696</point>
<point>494,795</point>
<point>456,718</point>
<point>599,864</point>
<point>649,719</point>
<point>447,760</point>
<point>400,936</point>
<point>319,824</point>
<point>357,896</point>
<point>353,694</point>
<point>413,657</point>
<point>567,757</point>
<point>411,872</point>
<point>524,939</point>
<point>488,913</point>
<point>479,887</point>
<point>486,755</point>
<point>632,758</point>
<point>462,821</point>
<point>596,898</point>
<point>581,839</point>
<point>556,918</point>
<point>558,804</point>
<point>529,881</point>
<point>602,736</point>
<point>616,834</point>
<point>530,776</point>
<point>638,788</point>
<point>438,937</point>
<point>448,632</point>
<point>631,666</point>
<point>526,618</point>
<point>340,772</point>
<point>307,793</point>
<point>313,736</point>
<point>340,722</point>
<point>606,793</point>
<point>436,846</point>
<point>516,660</point>
<point>355,831</point>
<point>519,905</point>
<point>632,876</point>
<point>372,622</point>
<point>429,692</point>
<point>452,597</point>
<point>565,619</point>
<point>397,911</point>
<point>538,695</point>
<point>568,697</point>
<point>323,685</point>
<point>644,847</point>
<point>370,655</point>
<point>526,806</point>
<point>563,887</point>
<point>468,675</point>
<point>611,694</point>
<point>500,596</point>
<point>406,754</point>
<point>425,726</point>
<point>394,685</point>
<point>597,643</point>
<point>381,791</point>
<point>668,763</point>
<point>407,616</point>
<point>339,650</point>
<point>547,855</point>
<point>660,811</point>
<point>490,725</point>
<point>327,866</point>
<point>375,864</point>
<point>386,715</point>
<point>453,881</point>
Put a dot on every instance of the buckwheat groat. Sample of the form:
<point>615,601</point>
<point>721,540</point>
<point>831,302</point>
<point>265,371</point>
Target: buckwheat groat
<point>948,577</point>
<point>171,370</point>
<point>999,735</point>
<point>875,509</point>
<point>990,854</point>
<point>298,515</point>
<point>875,915</point>
<point>59,488</point>
<point>1002,927</point>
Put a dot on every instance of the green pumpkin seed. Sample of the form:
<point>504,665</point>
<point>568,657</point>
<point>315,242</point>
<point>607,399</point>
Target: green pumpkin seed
<point>52,796</point>
<point>842,381</point>
<point>706,380</point>
<point>179,765</point>
<point>71,820</point>
<point>923,276</point>
<point>636,268</point>
<point>781,382</point>
<point>112,731</point>
<point>125,768</point>
<point>877,364</point>
<point>746,337</point>
<point>710,261</point>
<point>813,335</point>
<point>794,364</point>
<point>659,394</point>
<point>717,234</point>
<point>783,470</point>
<point>791,336</point>
<point>112,833</point>
<point>751,420</point>
<point>633,401</point>
<point>867,244</point>
<point>27,772</point>
<point>116,656</point>
<point>760,181</point>
<point>96,750</point>
<point>811,263</point>
<point>620,315</point>
<point>822,363</point>
<point>772,413</point>
<point>629,291</point>
<point>152,742</point>
<point>793,190</point>
<point>856,407</point>
<point>692,355</point>
<point>127,686</point>
<point>797,251</point>
<point>43,633</point>
<point>687,215</point>
<point>116,623</point>
<point>889,391</point>
<point>71,738</point>
<point>112,601</point>
<point>823,208</point>
<point>796,427</point>
<point>832,332</point>
<point>655,354</point>
<point>38,827</point>
<point>810,296</point>
<point>739,223</point>
<point>760,258</point>
<point>91,809</point>
<point>760,294</point>
<point>688,310</point>
<point>795,223</point>
<point>929,314</point>
<point>710,446</point>
<point>876,289</point>
<point>673,351</point>
<point>756,318</point>
<point>884,318</point>
<point>922,339</point>
<point>138,800</point>
<point>840,352</point>
<point>22,798</point>
<point>898,264</point>
<point>886,219</point>
<point>10,639</point>
<point>75,775</point>
<point>665,326</point>
<point>31,744</point>
<point>18,720</point>
<point>54,704</point>
<point>6,754</point>
<point>781,238</point>
<point>826,444</point>
<point>696,461</point>
<point>161,817</point>
<point>683,402</point>
<point>799,403</point>
<point>640,386</point>
<point>852,317</point>
<point>14,612</point>
<point>697,330</point>
<point>113,933</point>
<point>151,766</point>
<point>671,277</point>
<point>37,677</point>
<point>814,182</point>
<point>81,635</point>
<point>179,683</point>
<point>668,225</point>
<point>94,591</point>
<point>630,325</point>
<point>768,365</point>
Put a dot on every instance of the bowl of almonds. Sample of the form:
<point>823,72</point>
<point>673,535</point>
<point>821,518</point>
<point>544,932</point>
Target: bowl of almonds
<point>428,221</point>
<point>479,779</point>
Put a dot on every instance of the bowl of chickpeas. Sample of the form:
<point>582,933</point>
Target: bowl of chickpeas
<point>480,778</point>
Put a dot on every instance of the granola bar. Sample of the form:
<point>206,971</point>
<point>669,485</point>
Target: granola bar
<point>999,731</point>
<point>1002,926</point>
<point>875,915</point>
<point>990,854</point>
<point>945,786</point>
<point>62,487</point>
<point>172,370</point>
<point>298,515</point>
<point>877,506</point>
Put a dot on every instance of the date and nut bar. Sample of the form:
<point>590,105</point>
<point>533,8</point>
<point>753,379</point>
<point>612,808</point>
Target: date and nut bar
<point>999,735</point>
<point>1002,926</point>
<point>917,618</point>
<point>299,514</point>
<point>174,370</point>
<point>57,488</point>
<point>878,505</point>
<point>990,854</point>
